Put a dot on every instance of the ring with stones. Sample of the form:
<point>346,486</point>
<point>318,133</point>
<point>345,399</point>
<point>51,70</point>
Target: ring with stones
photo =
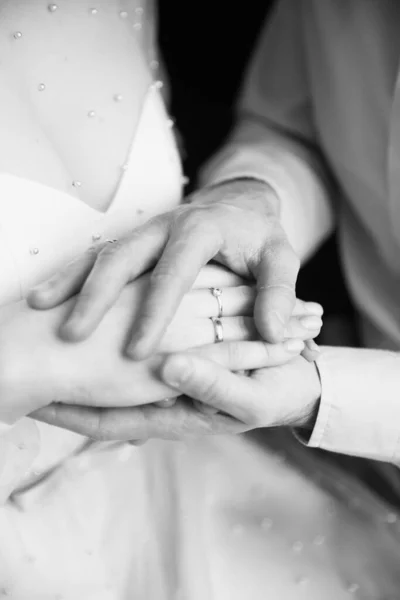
<point>217,293</point>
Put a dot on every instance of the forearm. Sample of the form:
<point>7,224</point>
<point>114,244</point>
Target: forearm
<point>275,137</point>
<point>295,173</point>
<point>359,412</point>
<point>37,367</point>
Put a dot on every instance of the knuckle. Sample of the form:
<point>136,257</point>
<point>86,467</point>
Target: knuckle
<point>209,389</point>
<point>195,225</point>
<point>110,251</point>
<point>278,247</point>
<point>235,354</point>
<point>191,217</point>
<point>91,253</point>
<point>284,287</point>
<point>101,427</point>
<point>163,272</point>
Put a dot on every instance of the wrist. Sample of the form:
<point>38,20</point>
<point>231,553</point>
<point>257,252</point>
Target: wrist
<point>246,190</point>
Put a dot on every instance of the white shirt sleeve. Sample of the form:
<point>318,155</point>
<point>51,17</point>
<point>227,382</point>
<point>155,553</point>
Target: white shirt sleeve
<point>359,412</point>
<point>274,137</point>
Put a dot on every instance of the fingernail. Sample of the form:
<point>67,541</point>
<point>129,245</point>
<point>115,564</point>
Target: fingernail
<point>311,323</point>
<point>176,371</point>
<point>204,408</point>
<point>166,403</point>
<point>294,346</point>
<point>70,330</point>
<point>314,308</point>
<point>311,345</point>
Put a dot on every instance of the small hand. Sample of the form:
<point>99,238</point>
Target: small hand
<point>236,224</point>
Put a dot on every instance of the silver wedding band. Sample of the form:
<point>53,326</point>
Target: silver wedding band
<point>218,330</point>
<point>217,293</point>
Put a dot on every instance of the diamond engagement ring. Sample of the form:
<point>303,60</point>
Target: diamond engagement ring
<point>217,293</point>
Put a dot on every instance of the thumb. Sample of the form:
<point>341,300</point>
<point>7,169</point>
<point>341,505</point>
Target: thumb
<point>276,290</point>
<point>208,382</point>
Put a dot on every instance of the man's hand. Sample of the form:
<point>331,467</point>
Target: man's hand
<point>278,395</point>
<point>285,395</point>
<point>236,224</point>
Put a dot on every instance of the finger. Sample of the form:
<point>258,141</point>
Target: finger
<point>194,333</point>
<point>64,284</point>
<point>185,254</point>
<point>233,328</point>
<point>116,265</point>
<point>235,301</point>
<point>311,351</point>
<point>136,423</point>
<point>124,424</point>
<point>211,384</point>
<point>215,275</point>
<point>245,356</point>
<point>276,290</point>
<point>303,308</point>
<point>303,327</point>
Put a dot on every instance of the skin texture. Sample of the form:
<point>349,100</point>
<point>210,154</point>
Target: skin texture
<point>37,368</point>
<point>235,224</point>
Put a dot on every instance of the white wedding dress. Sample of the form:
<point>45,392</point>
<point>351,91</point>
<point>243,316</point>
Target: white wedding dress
<point>204,519</point>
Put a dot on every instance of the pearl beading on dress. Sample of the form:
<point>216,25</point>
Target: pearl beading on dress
<point>155,86</point>
<point>91,114</point>
<point>44,87</point>
<point>154,64</point>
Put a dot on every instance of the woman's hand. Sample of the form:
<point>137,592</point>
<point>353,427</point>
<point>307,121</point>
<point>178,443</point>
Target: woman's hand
<point>37,368</point>
<point>284,395</point>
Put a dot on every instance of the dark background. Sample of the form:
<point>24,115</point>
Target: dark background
<point>206,46</point>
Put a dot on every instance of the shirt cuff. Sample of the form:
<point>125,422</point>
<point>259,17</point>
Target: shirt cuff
<point>359,412</point>
<point>5,427</point>
<point>238,162</point>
